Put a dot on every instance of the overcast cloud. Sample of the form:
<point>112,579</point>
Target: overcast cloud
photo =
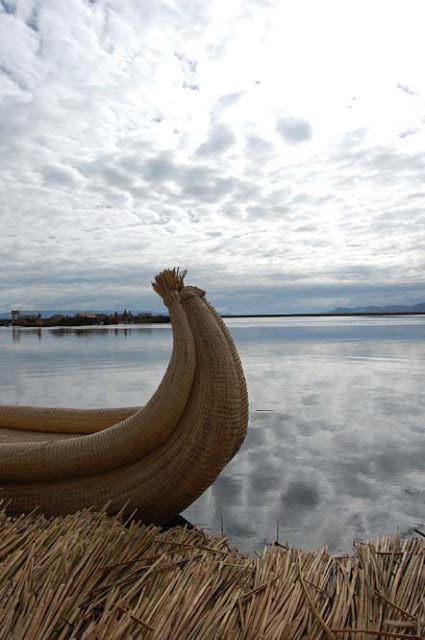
<point>274,149</point>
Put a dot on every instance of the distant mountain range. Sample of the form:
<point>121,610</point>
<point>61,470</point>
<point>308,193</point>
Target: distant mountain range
<point>391,308</point>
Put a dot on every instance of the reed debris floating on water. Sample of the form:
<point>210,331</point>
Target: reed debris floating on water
<point>92,577</point>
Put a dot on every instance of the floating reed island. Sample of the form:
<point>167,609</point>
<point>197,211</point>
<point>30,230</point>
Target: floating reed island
<point>95,577</point>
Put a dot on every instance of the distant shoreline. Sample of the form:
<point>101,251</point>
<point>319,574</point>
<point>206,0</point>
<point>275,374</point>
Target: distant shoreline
<point>165,319</point>
<point>325,315</point>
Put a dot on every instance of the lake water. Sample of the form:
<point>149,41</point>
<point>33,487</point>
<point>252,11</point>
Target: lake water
<point>336,445</point>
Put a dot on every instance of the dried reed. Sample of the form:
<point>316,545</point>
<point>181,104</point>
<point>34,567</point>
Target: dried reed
<point>91,577</point>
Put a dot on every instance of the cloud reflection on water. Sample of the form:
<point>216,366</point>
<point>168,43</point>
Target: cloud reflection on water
<point>341,455</point>
<point>335,449</point>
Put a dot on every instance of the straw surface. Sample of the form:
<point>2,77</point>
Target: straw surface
<point>90,577</point>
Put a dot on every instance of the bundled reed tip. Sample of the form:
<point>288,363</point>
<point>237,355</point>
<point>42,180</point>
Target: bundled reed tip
<point>94,577</point>
<point>169,280</point>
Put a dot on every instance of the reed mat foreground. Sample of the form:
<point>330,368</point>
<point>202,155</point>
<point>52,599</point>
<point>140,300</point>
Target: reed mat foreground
<point>90,576</point>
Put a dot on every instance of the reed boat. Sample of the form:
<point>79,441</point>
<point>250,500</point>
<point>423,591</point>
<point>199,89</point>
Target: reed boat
<point>157,458</point>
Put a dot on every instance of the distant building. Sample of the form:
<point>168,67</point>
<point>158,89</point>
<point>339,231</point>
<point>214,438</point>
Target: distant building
<point>19,320</point>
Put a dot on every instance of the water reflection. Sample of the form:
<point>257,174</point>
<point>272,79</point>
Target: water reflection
<point>86,367</point>
<point>339,455</point>
<point>17,333</point>
<point>60,332</point>
<point>335,449</point>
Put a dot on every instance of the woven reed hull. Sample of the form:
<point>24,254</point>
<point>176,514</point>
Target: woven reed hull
<point>159,481</point>
<point>59,421</point>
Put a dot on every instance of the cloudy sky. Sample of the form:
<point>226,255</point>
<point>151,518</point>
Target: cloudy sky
<point>274,149</point>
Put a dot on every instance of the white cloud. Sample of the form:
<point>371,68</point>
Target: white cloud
<point>220,139</point>
<point>244,140</point>
<point>294,130</point>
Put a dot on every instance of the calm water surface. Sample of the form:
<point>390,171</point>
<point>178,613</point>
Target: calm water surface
<point>336,446</point>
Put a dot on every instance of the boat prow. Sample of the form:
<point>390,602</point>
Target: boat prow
<point>157,458</point>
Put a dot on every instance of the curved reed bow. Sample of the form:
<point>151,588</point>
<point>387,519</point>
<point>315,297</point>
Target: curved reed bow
<point>158,458</point>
